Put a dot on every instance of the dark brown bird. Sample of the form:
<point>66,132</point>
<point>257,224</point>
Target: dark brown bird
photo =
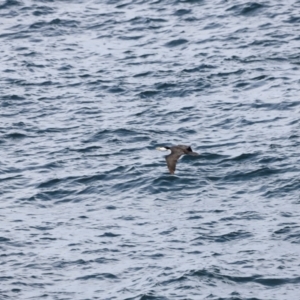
<point>176,153</point>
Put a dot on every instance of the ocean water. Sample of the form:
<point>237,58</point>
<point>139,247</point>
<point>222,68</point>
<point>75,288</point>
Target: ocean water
<point>88,209</point>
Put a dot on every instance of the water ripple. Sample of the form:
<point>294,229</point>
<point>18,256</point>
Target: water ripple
<point>89,90</point>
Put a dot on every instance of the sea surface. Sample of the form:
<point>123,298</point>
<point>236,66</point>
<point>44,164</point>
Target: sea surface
<point>88,209</point>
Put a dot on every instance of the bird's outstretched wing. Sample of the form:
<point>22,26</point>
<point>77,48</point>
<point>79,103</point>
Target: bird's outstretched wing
<point>172,160</point>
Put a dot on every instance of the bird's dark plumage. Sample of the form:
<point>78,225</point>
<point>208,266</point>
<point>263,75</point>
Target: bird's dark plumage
<point>176,152</point>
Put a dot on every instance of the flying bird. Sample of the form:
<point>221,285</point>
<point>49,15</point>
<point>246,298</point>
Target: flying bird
<point>176,153</point>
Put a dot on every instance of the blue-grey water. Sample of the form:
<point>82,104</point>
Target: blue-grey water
<point>89,89</point>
